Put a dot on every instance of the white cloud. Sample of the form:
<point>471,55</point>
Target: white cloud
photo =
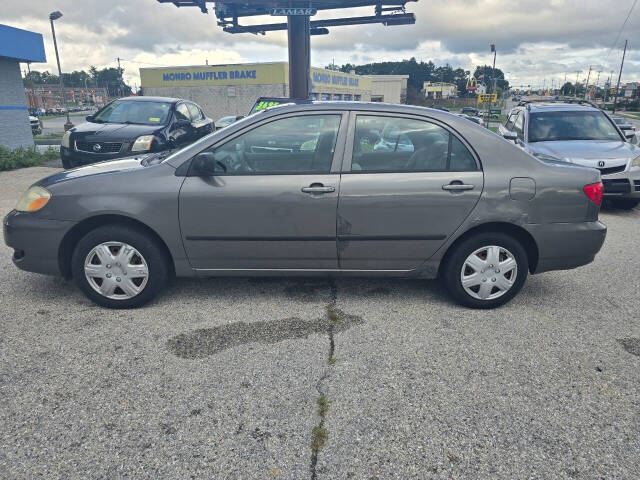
<point>538,40</point>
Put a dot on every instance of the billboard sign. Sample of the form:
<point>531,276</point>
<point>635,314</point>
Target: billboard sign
<point>285,12</point>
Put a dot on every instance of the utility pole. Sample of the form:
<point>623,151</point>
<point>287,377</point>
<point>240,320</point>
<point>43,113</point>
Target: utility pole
<point>608,84</point>
<point>55,16</point>
<point>597,83</point>
<point>493,72</point>
<point>576,86</point>
<point>586,87</point>
<point>120,75</point>
<point>615,99</point>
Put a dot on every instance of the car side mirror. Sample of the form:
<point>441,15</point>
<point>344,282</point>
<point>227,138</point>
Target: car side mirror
<point>204,165</point>
<point>509,135</point>
<point>89,118</point>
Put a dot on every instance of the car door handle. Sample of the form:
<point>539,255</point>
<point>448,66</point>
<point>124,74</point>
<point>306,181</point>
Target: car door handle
<point>457,187</point>
<point>318,188</point>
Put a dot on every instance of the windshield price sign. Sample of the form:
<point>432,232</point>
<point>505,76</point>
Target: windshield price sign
<point>285,12</point>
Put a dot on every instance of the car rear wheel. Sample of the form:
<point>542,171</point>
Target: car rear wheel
<point>486,270</point>
<point>119,267</point>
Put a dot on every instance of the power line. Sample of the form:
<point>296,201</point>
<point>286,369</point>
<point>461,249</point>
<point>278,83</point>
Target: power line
<point>622,28</point>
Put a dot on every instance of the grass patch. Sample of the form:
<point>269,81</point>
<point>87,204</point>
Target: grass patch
<point>323,405</point>
<point>319,437</point>
<point>494,129</point>
<point>332,313</point>
<point>24,157</point>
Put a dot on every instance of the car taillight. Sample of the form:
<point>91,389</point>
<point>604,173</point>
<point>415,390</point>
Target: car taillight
<point>594,191</point>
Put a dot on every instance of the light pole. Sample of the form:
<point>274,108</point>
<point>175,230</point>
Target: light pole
<point>55,16</point>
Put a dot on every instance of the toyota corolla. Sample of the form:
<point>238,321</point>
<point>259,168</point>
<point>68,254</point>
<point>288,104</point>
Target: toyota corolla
<point>301,190</point>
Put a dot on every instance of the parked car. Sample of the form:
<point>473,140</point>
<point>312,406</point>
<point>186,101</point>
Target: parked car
<point>581,134</point>
<point>36,129</point>
<point>470,111</point>
<point>133,125</point>
<point>226,121</point>
<point>627,128</point>
<point>461,204</point>
<point>473,119</point>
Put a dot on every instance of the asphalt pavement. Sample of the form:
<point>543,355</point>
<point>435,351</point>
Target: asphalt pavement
<point>328,379</point>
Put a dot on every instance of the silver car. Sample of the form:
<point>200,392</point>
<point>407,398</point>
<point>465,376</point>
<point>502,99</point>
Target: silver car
<point>583,135</point>
<point>301,190</point>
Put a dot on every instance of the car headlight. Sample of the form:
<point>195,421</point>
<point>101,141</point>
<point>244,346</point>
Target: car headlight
<point>33,199</point>
<point>142,144</point>
<point>544,156</point>
<point>65,139</point>
<point>636,162</point>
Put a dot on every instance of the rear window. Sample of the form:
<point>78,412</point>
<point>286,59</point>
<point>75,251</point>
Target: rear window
<point>570,125</point>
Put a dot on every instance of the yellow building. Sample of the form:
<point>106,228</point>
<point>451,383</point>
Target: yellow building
<point>233,89</point>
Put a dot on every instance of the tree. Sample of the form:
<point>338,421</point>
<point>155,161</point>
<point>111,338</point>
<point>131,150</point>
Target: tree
<point>486,74</point>
<point>109,78</point>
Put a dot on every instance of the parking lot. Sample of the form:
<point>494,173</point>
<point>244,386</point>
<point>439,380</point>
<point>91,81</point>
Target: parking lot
<point>328,379</point>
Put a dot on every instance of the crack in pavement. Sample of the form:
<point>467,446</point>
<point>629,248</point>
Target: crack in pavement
<point>319,434</point>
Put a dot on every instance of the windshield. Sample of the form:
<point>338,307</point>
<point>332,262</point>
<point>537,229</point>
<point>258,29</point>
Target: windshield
<point>620,121</point>
<point>576,125</point>
<point>142,113</point>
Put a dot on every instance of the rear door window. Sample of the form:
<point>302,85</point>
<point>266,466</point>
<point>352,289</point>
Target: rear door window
<point>392,144</point>
<point>518,126</point>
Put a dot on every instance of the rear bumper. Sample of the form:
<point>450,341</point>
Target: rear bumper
<point>563,246</point>
<point>35,241</point>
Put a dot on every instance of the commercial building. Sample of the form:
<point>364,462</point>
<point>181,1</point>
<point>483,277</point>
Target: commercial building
<point>440,90</point>
<point>16,46</point>
<point>233,89</point>
<point>48,96</point>
<point>389,88</point>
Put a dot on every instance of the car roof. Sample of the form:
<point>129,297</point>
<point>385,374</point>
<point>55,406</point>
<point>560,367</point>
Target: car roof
<point>352,105</point>
<point>558,107</point>
<point>150,99</point>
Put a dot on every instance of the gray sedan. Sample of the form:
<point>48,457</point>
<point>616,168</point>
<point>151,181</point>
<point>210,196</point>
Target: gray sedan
<point>315,189</point>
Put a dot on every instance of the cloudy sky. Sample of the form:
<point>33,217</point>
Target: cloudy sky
<point>538,41</point>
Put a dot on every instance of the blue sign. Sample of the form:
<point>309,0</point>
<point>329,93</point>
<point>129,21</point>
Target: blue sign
<point>210,75</point>
<point>335,79</point>
<point>21,45</point>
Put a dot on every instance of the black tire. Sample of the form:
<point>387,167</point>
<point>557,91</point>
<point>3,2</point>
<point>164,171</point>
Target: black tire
<point>625,203</point>
<point>66,164</point>
<point>456,259</point>
<point>153,254</point>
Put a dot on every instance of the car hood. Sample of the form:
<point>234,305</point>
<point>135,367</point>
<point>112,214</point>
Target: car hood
<point>588,152</point>
<point>112,131</point>
<point>101,168</point>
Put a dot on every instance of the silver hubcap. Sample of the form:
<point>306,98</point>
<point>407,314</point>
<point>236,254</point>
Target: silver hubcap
<point>116,270</point>
<point>489,272</point>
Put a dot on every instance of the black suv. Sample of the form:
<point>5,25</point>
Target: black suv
<point>134,125</point>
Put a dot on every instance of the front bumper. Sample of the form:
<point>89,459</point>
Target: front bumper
<point>35,241</point>
<point>74,158</point>
<point>624,184</point>
<point>562,246</point>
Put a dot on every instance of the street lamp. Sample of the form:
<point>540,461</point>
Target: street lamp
<point>55,16</point>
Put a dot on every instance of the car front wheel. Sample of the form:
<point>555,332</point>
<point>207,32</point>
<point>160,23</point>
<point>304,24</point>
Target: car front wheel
<point>486,270</point>
<point>119,267</point>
